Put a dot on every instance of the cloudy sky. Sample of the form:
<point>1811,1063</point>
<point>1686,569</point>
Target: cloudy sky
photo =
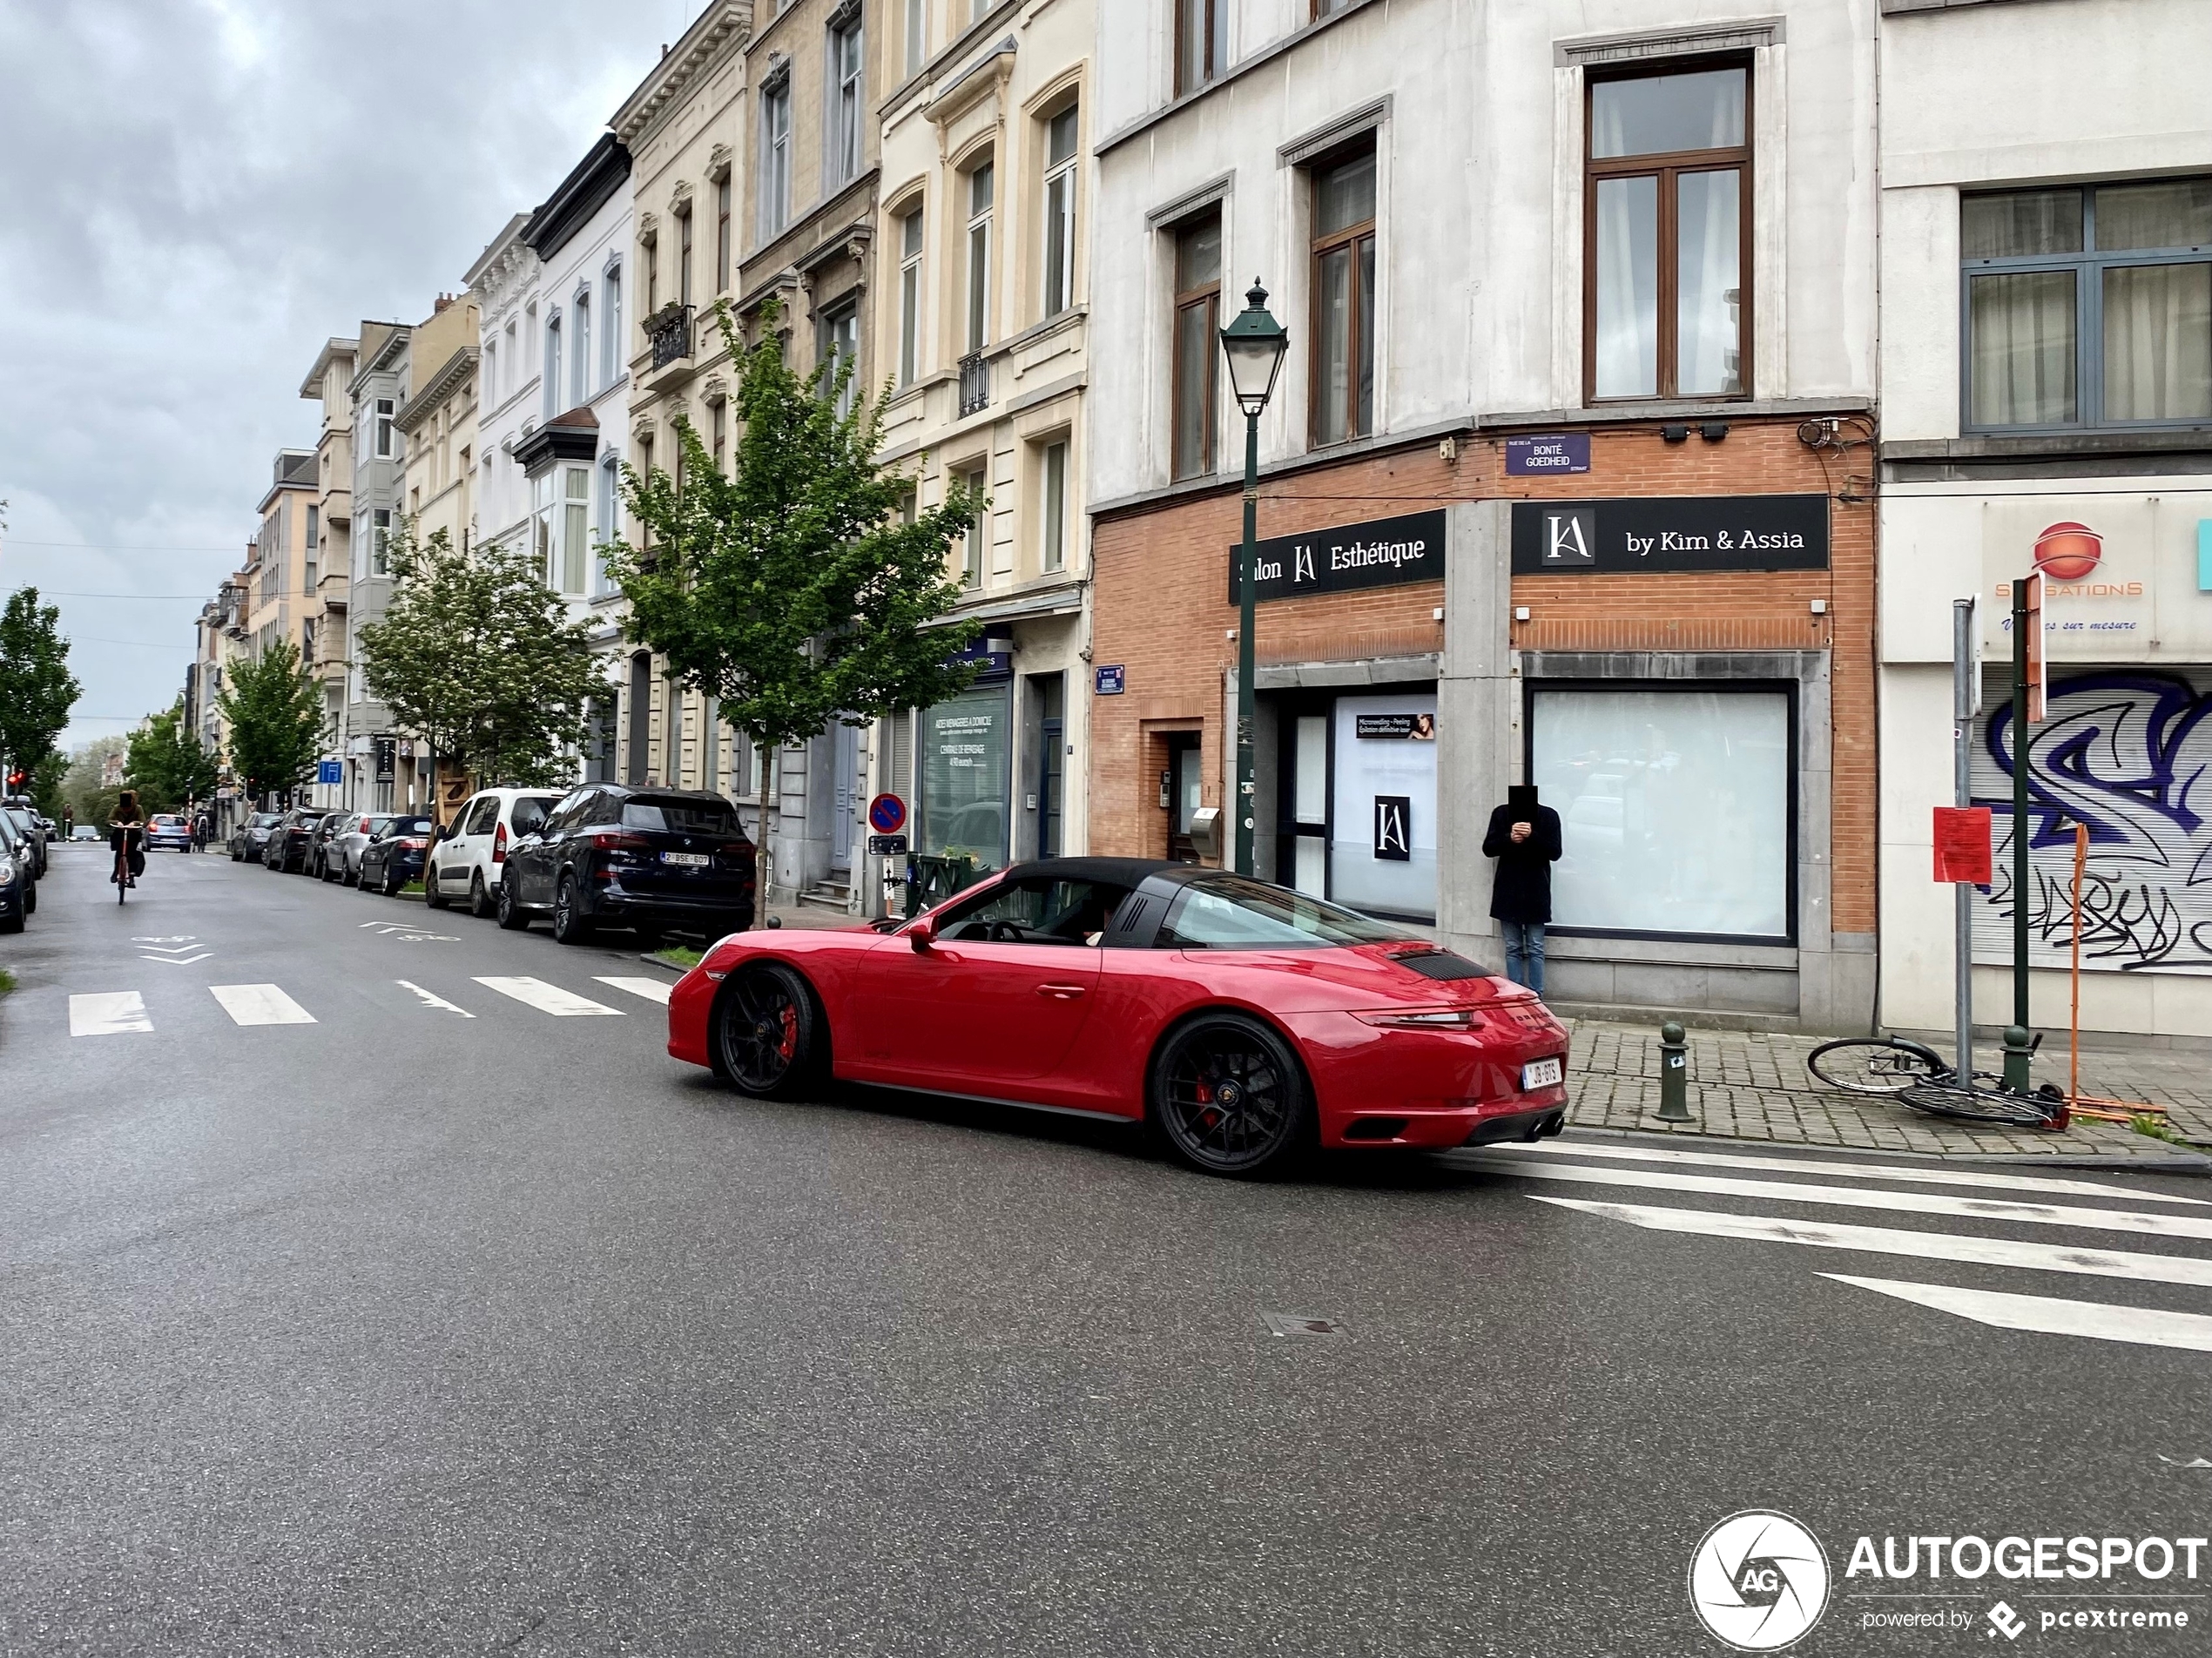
<point>195,195</point>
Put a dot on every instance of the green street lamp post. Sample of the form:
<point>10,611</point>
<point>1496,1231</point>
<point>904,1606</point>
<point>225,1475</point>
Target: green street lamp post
<point>1254,344</point>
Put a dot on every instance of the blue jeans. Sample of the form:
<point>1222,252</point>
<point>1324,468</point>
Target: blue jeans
<point>1525,953</point>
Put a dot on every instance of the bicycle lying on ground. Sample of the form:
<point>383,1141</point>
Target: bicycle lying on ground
<point>1912,1074</point>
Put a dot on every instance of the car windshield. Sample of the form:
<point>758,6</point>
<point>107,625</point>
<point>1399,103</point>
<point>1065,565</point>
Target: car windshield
<point>264,820</point>
<point>684,816</point>
<point>1230,913</point>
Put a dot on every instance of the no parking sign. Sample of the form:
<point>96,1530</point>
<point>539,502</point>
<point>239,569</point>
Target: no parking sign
<point>886,814</point>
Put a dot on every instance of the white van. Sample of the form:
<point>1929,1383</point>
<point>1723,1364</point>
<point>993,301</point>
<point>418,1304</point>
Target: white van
<point>466,858</point>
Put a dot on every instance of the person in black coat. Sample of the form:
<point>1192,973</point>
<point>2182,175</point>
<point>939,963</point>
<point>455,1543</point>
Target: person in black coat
<point>1524,839</point>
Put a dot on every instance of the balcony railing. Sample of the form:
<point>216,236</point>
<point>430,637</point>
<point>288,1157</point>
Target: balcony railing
<point>670,333</point>
<point>974,383</point>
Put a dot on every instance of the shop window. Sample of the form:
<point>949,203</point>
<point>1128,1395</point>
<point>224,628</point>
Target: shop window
<point>965,760</point>
<point>1382,789</point>
<point>2088,306</point>
<point>1668,206</point>
<point>1197,357</point>
<point>1344,296</point>
<point>1676,808</point>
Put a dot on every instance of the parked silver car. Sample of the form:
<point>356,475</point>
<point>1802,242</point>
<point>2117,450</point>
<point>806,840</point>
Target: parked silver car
<point>341,858</point>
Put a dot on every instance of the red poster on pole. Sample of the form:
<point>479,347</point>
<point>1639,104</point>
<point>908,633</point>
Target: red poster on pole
<point>1962,845</point>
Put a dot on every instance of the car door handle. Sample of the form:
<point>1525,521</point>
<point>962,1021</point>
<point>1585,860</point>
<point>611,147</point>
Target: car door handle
<point>1060,991</point>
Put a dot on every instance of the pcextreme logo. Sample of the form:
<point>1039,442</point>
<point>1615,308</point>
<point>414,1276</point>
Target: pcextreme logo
<point>1758,1581</point>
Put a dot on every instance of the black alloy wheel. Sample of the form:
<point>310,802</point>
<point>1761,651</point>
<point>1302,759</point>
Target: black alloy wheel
<point>768,1032</point>
<point>512,917</point>
<point>569,924</point>
<point>1227,1095</point>
<point>479,901</point>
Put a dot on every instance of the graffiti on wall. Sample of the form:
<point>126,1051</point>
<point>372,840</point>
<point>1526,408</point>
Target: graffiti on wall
<point>2128,752</point>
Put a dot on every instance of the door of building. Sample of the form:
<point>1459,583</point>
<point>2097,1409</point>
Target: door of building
<point>845,769</point>
<point>1051,774</point>
<point>1184,789</point>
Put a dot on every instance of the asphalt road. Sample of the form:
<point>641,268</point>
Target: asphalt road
<point>424,1329</point>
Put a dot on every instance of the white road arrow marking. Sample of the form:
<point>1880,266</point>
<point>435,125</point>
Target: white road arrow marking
<point>1919,1175</point>
<point>259,1004</point>
<point>108,1013</point>
<point>2047,1316</point>
<point>171,938</point>
<point>1890,1240</point>
<point>551,998</point>
<point>1987,1209</point>
<point>430,1001</point>
<point>653,990</point>
<point>180,960</point>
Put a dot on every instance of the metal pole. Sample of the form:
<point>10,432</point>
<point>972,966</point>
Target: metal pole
<point>2017,1052</point>
<point>1966,696</point>
<point>1243,802</point>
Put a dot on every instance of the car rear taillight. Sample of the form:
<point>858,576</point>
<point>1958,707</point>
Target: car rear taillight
<point>622,843</point>
<point>499,844</point>
<point>413,846</point>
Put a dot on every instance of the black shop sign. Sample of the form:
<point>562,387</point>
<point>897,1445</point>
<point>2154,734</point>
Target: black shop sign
<point>1382,552</point>
<point>1672,534</point>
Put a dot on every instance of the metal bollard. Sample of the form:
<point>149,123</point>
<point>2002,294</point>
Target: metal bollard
<point>1674,1075</point>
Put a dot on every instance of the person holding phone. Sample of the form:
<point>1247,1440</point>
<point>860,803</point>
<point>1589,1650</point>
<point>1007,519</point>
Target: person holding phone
<point>1524,837</point>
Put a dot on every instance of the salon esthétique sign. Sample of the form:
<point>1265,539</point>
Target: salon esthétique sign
<point>1671,534</point>
<point>1381,552</point>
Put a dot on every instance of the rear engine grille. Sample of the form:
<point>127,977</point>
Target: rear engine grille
<point>1440,964</point>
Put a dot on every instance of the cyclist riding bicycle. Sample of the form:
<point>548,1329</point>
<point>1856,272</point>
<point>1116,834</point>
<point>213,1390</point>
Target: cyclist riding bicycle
<point>126,834</point>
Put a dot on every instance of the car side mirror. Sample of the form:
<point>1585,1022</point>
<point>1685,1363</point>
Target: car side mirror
<point>922,935</point>
<point>445,831</point>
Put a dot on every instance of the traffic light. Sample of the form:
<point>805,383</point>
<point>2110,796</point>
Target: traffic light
<point>16,779</point>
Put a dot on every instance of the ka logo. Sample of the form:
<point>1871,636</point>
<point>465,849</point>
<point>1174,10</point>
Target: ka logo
<point>2006,1622</point>
<point>1392,840</point>
<point>1758,1581</point>
<point>1302,566</point>
<point>1571,537</point>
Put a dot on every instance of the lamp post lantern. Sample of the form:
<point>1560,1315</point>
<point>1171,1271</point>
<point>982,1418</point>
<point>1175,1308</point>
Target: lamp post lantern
<point>1254,344</point>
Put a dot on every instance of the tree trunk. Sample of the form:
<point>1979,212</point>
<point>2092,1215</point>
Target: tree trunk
<point>760,846</point>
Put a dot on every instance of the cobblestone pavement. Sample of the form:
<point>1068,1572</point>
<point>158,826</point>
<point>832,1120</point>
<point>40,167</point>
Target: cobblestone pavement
<point>1748,1085</point>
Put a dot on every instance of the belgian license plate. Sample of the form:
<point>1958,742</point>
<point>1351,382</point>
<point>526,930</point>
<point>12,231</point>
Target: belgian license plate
<point>688,859</point>
<point>1541,1072</point>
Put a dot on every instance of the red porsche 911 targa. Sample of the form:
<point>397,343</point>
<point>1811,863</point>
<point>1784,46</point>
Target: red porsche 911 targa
<point>1241,1020</point>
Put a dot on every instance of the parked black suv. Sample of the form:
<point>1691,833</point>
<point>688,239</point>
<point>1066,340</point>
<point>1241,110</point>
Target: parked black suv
<point>289,841</point>
<point>654,860</point>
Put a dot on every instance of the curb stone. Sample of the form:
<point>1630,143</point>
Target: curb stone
<point>2148,1163</point>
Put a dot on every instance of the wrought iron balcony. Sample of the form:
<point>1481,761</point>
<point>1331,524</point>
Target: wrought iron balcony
<point>974,383</point>
<point>670,329</point>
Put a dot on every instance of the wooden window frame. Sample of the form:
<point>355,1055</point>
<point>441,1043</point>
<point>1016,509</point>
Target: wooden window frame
<point>684,256</point>
<point>1217,47</point>
<point>1319,245</point>
<point>1207,295</point>
<point>1668,169</point>
<point>722,194</point>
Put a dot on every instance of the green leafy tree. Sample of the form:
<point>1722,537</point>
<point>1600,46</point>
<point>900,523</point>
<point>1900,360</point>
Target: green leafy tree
<point>476,655</point>
<point>36,689</point>
<point>792,590</point>
<point>274,708</point>
<point>166,765</point>
<point>84,783</point>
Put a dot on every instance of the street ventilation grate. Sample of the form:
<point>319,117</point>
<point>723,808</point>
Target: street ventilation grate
<point>1300,1323</point>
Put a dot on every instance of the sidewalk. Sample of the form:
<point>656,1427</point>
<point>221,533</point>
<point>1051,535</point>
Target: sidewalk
<point>1746,1085</point>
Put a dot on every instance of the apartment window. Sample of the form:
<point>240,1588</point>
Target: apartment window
<point>917,34</point>
<point>1669,200</point>
<point>652,275</point>
<point>582,352</point>
<point>1343,297</point>
<point>1060,212</point>
<point>1201,43</point>
<point>384,428</point>
<point>552,397</point>
<point>979,533</point>
<point>684,257</point>
<point>314,530</point>
<point>611,349</point>
<point>980,185</point>
<point>1329,8</point>
<point>909,296</point>
<point>720,421</point>
<point>1197,324</point>
<point>845,102</point>
<point>839,347</point>
<point>576,527</point>
<point>2088,306</point>
<point>722,234</point>
<point>543,529</point>
<point>380,542</point>
<point>491,372</point>
<point>1052,507</point>
<point>775,158</point>
<point>516,368</point>
<point>609,518</point>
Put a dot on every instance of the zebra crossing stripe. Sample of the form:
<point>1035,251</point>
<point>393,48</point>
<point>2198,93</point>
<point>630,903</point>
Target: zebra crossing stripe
<point>259,1004</point>
<point>2044,1315</point>
<point>1889,1240</point>
<point>1918,1175</point>
<point>1987,1209</point>
<point>550,999</point>
<point>430,1000</point>
<point>108,1013</point>
<point>653,990</point>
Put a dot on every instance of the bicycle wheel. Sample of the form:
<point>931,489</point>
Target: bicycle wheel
<point>1947,1099</point>
<point>1881,1065</point>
